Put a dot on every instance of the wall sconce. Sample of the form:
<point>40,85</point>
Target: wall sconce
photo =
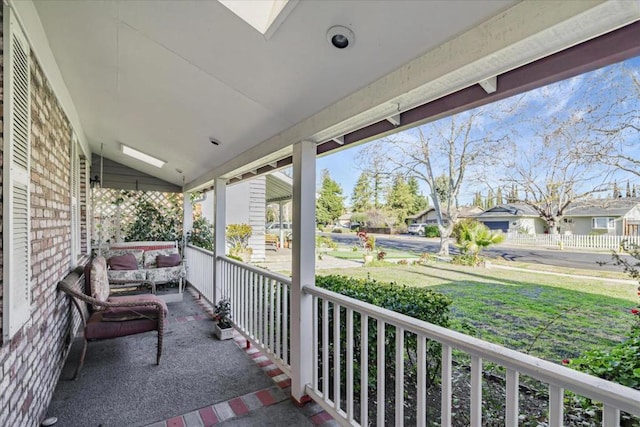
<point>94,182</point>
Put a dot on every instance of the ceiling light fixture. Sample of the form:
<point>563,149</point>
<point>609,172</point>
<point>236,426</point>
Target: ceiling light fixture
<point>143,157</point>
<point>341,37</point>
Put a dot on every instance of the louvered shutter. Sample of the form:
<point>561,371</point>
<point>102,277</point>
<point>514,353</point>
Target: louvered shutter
<point>75,201</point>
<point>16,179</point>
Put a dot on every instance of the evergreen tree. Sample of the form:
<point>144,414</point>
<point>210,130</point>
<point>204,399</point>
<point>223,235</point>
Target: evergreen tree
<point>442,189</point>
<point>490,202</point>
<point>634,193</point>
<point>399,198</point>
<point>362,194</point>
<point>499,196</point>
<point>477,200</point>
<point>330,203</point>
<point>513,194</point>
<point>616,191</point>
<point>628,189</point>
<point>420,202</point>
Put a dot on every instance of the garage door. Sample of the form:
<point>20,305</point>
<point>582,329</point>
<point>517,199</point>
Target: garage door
<point>498,225</point>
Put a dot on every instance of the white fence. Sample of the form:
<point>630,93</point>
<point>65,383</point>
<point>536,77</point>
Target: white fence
<point>338,346</point>
<point>260,308</point>
<point>200,273</point>
<point>603,241</point>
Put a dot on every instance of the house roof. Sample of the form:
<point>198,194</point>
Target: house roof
<point>463,212</point>
<point>279,187</point>
<point>510,209</point>
<point>603,207</point>
<point>165,77</point>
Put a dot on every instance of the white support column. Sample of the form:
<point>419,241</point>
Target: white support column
<point>280,215</point>
<point>187,217</point>
<point>220,226</point>
<point>303,267</point>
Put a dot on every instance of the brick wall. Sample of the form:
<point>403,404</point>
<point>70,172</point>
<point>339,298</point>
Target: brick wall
<point>31,362</point>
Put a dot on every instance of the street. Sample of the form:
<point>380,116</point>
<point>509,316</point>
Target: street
<point>565,258</point>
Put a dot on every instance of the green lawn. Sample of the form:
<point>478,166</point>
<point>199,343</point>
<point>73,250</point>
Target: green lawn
<point>547,316</point>
<point>390,253</point>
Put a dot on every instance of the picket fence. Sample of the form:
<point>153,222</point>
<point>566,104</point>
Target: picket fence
<point>603,241</point>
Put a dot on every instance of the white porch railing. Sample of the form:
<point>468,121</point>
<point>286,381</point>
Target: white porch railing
<point>200,263</point>
<point>337,395</point>
<point>603,241</point>
<point>343,373</point>
<point>260,304</point>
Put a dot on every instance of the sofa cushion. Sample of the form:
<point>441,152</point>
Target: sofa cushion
<point>166,275</point>
<point>138,253</point>
<point>99,280</point>
<point>127,274</point>
<point>172,260</point>
<point>150,257</point>
<point>123,262</point>
<point>119,314</point>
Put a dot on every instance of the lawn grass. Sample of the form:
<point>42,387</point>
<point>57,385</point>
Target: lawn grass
<point>547,316</point>
<point>390,253</point>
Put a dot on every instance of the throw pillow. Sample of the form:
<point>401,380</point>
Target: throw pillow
<point>99,280</point>
<point>123,262</point>
<point>168,260</point>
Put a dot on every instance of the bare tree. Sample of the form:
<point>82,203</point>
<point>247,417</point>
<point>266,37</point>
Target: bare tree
<point>447,148</point>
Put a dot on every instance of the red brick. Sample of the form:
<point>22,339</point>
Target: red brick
<point>175,422</point>
<point>238,406</point>
<point>285,383</point>
<point>265,397</point>
<point>274,372</point>
<point>321,418</point>
<point>265,363</point>
<point>208,416</point>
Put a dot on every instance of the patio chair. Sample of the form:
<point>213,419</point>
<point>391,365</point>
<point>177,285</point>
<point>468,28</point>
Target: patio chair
<point>113,316</point>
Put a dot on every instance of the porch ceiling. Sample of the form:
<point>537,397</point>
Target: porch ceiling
<point>164,77</point>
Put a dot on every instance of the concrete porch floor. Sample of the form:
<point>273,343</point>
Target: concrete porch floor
<point>200,381</point>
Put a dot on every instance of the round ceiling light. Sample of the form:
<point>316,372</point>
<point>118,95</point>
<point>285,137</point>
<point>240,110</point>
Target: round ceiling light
<point>341,37</point>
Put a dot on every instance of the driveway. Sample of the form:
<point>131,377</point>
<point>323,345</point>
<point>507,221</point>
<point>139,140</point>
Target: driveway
<point>565,258</point>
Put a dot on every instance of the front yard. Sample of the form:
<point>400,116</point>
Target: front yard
<point>551,317</point>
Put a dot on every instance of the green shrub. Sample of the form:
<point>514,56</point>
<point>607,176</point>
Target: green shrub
<point>201,235</point>
<point>325,242</point>
<point>464,259</point>
<point>431,231</point>
<point>337,230</point>
<point>420,303</point>
<point>238,236</point>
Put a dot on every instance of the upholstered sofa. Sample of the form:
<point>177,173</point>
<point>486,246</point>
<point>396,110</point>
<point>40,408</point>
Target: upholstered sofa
<point>157,262</point>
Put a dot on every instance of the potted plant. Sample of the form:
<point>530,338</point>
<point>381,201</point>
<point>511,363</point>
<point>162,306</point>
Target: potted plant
<point>222,316</point>
<point>368,243</point>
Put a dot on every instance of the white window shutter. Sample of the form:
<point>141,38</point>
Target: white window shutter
<point>16,179</point>
<point>75,200</point>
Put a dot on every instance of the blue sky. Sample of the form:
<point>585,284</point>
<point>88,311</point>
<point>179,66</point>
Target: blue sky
<point>343,166</point>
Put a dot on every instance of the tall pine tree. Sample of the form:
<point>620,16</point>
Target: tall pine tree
<point>361,197</point>
<point>330,203</point>
<point>399,198</point>
<point>420,202</point>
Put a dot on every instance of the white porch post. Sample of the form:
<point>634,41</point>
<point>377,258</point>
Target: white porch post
<point>220,226</point>
<point>187,217</point>
<point>303,266</point>
<point>281,236</point>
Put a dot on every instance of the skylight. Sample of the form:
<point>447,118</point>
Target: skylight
<point>139,155</point>
<point>260,14</point>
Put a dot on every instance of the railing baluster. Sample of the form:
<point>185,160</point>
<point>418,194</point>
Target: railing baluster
<point>252,308</point>
<point>610,416</point>
<point>364,369</point>
<point>421,415</point>
<point>279,319</point>
<point>445,405</point>
<point>260,311</point>
<point>513,390</point>
<point>399,376</point>
<point>316,338</point>
<point>285,326</point>
<point>381,374</point>
<point>476,391</point>
<point>556,398</point>
<point>271,317</point>
<point>336,356</point>
<point>325,350</point>
<point>349,364</point>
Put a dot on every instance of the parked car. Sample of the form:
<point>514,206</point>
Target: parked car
<point>274,228</point>
<point>417,229</point>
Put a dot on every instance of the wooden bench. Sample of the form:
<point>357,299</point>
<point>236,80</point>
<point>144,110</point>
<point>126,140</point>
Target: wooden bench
<point>271,240</point>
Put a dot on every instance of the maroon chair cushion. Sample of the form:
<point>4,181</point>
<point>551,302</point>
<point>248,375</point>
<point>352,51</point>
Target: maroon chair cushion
<point>168,260</point>
<point>97,329</point>
<point>123,262</point>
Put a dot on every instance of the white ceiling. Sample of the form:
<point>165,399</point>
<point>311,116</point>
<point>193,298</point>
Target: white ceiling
<point>165,76</point>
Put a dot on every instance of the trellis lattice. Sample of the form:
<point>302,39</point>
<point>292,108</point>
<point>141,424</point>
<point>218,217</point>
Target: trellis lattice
<point>114,212</point>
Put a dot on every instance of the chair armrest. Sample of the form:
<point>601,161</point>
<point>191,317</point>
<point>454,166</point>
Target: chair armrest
<point>106,304</point>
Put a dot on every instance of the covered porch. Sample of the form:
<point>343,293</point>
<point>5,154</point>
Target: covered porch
<point>210,100</point>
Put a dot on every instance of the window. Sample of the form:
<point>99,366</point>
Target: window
<point>604,223</point>
<point>16,167</point>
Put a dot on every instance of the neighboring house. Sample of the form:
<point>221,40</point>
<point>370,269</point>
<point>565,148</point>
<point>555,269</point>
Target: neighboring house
<point>513,217</point>
<point>594,216</point>
<point>345,220</point>
<point>619,217</point>
<point>428,216</point>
